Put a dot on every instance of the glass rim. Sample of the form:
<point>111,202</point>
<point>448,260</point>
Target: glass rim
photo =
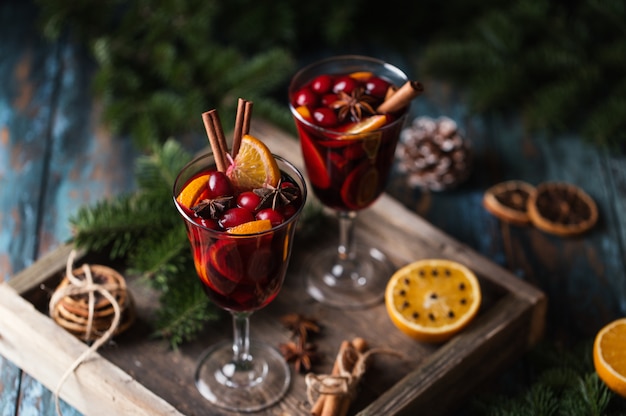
<point>334,133</point>
<point>224,234</point>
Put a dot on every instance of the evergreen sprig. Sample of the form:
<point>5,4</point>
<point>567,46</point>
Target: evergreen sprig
<point>562,63</point>
<point>565,384</point>
<point>144,230</point>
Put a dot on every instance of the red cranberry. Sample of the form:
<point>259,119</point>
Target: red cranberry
<point>305,97</point>
<point>345,84</point>
<point>328,99</point>
<point>275,217</point>
<point>209,223</point>
<point>248,200</point>
<point>322,84</point>
<point>234,217</point>
<point>218,185</point>
<point>288,211</point>
<point>325,117</point>
<point>377,87</point>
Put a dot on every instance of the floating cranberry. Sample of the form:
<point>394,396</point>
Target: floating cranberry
<point>377,87</point>
<point>288,211</point>
<point>328,99</point>
<point>306,97</point>
<point>218,185</point>
<point>209,223</point>
<point>322,84</point>
<point>235,216</point>
<point>248,200</point>
<point>344,84</point>
<point>275,217</point>
<point>325,117</point>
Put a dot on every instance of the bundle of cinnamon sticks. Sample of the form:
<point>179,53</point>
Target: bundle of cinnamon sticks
<point>337,390</point>
<point>217,139</point>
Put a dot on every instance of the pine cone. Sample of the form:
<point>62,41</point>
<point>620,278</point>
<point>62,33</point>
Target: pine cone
<point>434,154</point>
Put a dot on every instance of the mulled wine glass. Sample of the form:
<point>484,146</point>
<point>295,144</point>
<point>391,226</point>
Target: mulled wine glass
<point>348,153</point>
<point>241,273</point>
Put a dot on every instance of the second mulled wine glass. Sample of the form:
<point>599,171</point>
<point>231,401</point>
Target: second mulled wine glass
<point>241,273</point>
<point>348,172</point>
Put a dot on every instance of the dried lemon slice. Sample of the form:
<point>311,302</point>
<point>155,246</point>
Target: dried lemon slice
<point>562,208</point>
<point>432,300</point>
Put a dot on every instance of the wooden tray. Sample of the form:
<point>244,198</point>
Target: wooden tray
<point>143,376</point>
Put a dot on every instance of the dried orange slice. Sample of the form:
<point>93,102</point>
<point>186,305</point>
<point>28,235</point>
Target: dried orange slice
<point>251,227</point>
<point>609,355</point>
<point>190,193</point>
<point>432,300</point>
<point>509,200</point>
<point>562,208</point>
<point>254,166</point>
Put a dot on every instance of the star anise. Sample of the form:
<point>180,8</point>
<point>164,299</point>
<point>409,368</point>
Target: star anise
<point>303,355</point>
<point>357,104</point>
<point>278,196</point>
<point>300,325</point>
<point>212,208</point>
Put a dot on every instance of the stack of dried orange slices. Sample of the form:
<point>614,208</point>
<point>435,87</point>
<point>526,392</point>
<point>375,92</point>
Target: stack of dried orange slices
<point>558,208</point>
<point>432,300</point>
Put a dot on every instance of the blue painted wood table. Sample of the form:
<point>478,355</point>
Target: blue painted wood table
<point>55,156</point>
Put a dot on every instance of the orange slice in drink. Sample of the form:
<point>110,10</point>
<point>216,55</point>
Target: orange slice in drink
<point>303,110</point>
<point>254,166</point>
<point>432,300</point>
<point>190,193</point>
<point>367,124</point>
<point>251,227</point>
<point>609,355</point>
<point>361,75</point>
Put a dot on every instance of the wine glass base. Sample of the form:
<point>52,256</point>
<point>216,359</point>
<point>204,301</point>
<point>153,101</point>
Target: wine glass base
<point>358,283</point>
<point>254,387</point>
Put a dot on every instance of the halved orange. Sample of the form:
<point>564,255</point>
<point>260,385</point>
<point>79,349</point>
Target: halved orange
<point>432,300</point>
<point>251,227</point>
<point>254,166</point>
<point>190,193</point>
<point>609,355</point>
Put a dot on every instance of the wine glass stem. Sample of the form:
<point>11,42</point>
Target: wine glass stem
<point>346,251</point>
<point>241,340</point>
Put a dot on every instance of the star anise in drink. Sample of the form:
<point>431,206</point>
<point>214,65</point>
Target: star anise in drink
<point>276,196</point>
<point>357,104</point>
<point>212,208</point>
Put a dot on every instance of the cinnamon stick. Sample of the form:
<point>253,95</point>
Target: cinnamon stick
<point>339,404</point>
<point>214,141</point>
<point>221,139</point>
<point>401,98</point>
<point>242,124</point>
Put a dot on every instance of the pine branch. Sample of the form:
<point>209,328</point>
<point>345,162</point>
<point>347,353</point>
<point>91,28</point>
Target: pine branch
<point>184,311</point>
<point>566,385</point>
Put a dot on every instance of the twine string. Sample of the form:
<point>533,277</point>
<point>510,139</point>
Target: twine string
<point>77,287</point>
